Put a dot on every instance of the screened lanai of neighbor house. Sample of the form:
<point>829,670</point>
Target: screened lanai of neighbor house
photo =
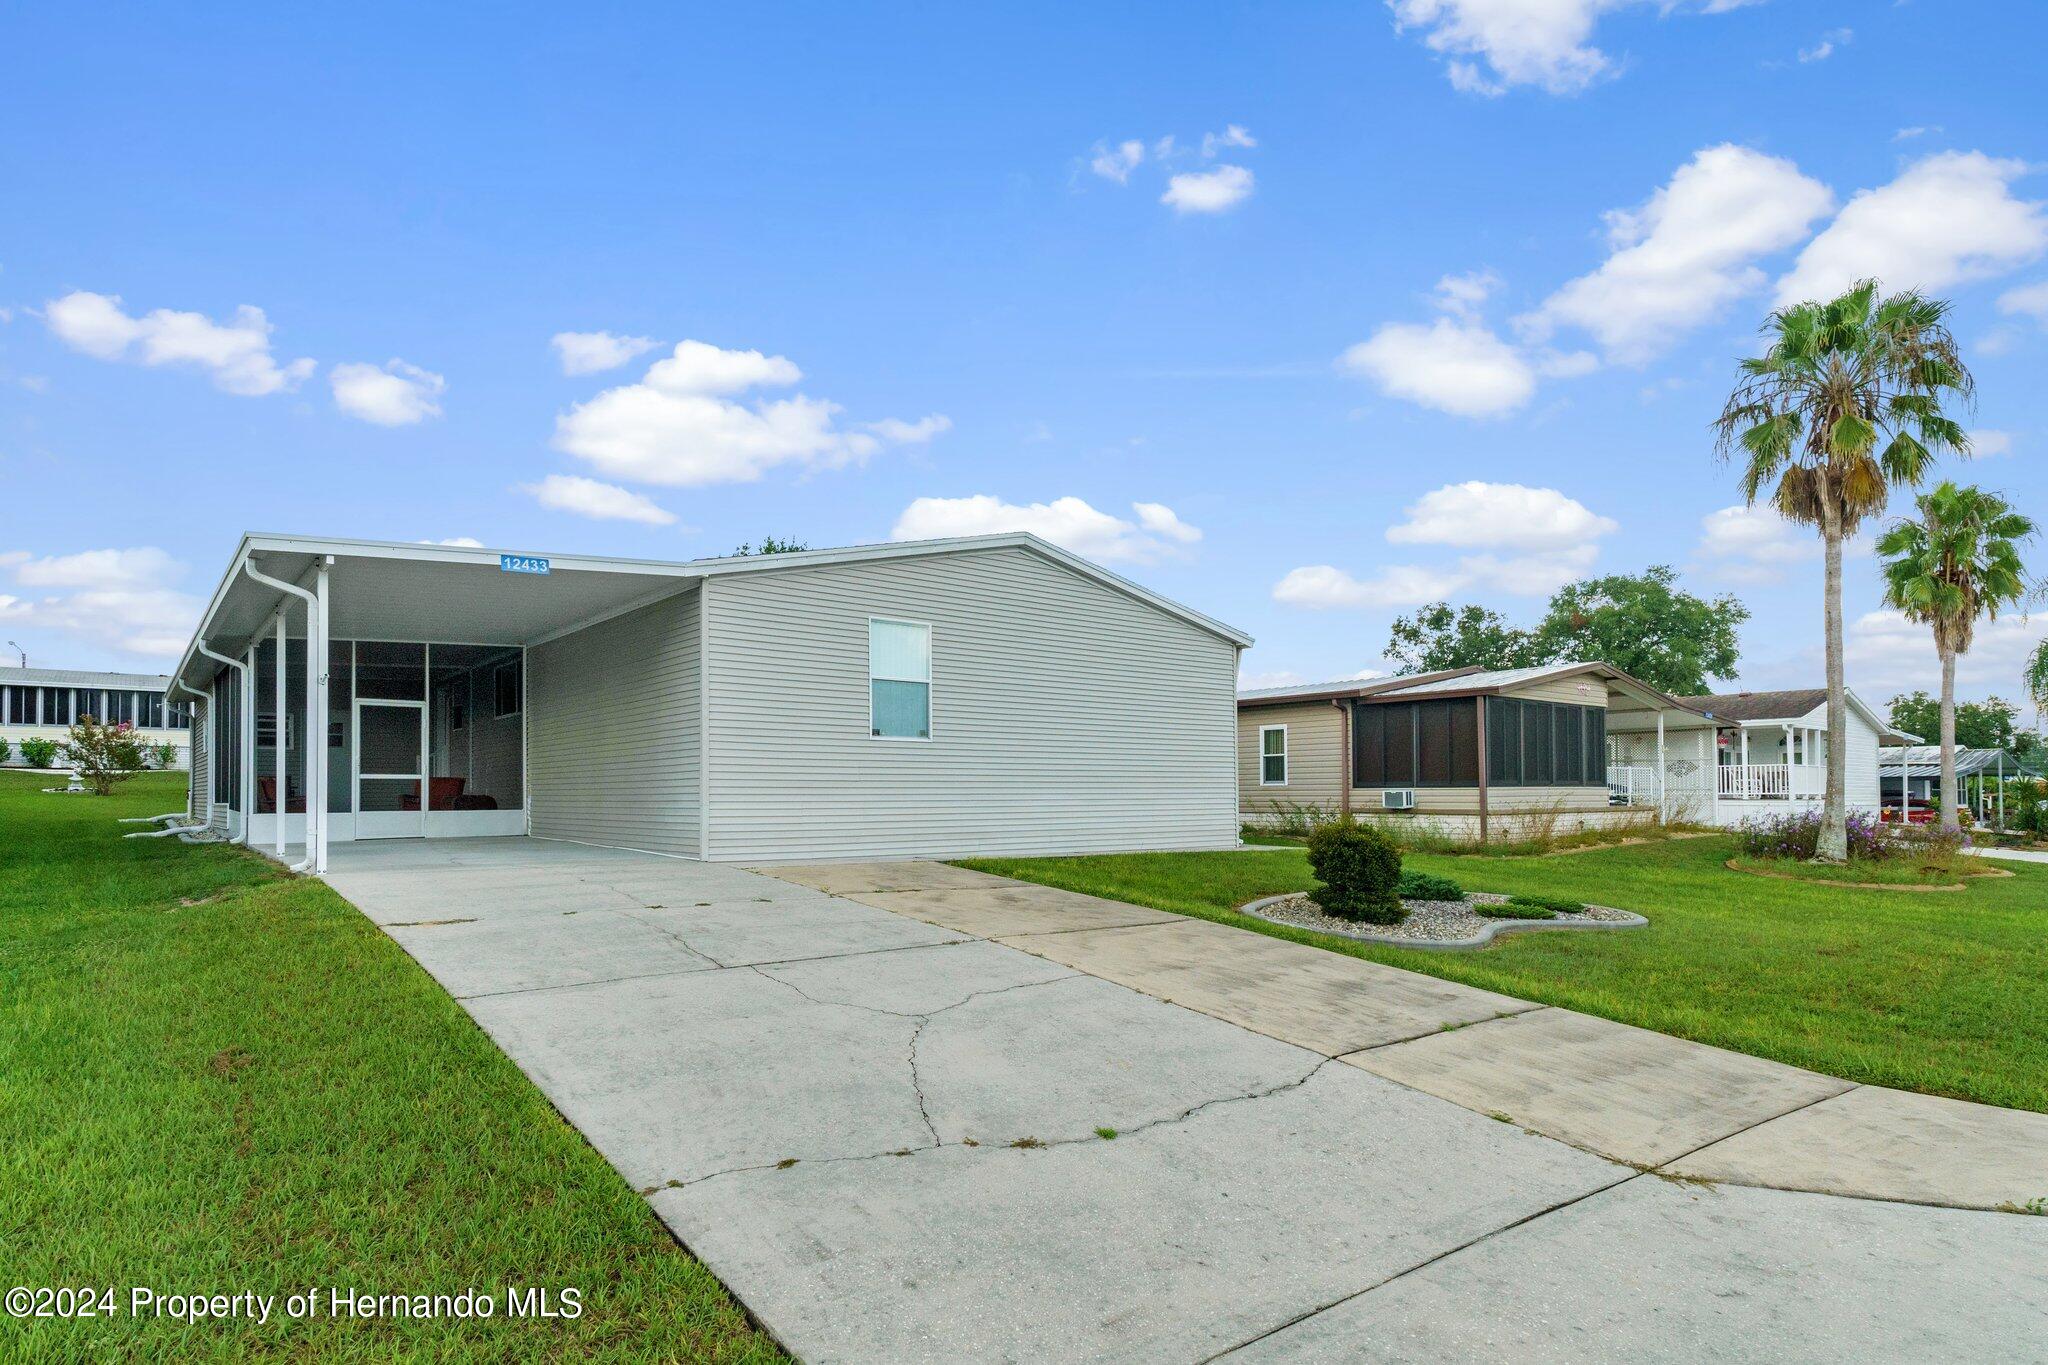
<point>990,693</point>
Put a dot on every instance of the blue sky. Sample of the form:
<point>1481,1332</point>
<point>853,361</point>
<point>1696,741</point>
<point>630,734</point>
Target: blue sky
<point>1415,303</point>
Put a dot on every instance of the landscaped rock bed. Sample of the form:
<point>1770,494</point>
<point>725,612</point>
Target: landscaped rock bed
<point>1434,924</point>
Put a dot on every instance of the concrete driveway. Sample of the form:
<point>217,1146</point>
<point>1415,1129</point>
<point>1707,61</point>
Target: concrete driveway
<point>889,1133</point>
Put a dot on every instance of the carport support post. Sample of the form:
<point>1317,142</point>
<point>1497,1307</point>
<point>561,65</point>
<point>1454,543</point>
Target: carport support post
<point>1664,809</point>
<point>316,642</point>
<point>280,779</point>
<point>245,748</point>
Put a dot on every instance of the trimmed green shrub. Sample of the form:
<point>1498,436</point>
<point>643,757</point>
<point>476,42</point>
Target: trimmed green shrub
<point>1555,904</point>
<point>1514,909</point>
<point>1427,886</point>
<point>1360,872</point>
<point>6,751</point>
<point>39,753</point>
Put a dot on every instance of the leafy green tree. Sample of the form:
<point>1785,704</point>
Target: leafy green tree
<point>1993,723</point>
<point>1844,404</point>
<point>103,754</point>
<point>1645,627</point>
<point>769,546</point>
<point>2036,678</point>
<point>1440,636</point>
<point>1957,561</point>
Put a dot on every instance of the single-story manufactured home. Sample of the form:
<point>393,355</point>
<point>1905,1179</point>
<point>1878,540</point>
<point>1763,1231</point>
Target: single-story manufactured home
<point>41,703</point>
<point>1773,750</point>
<point>1472,752</point>
<point>983,695</point>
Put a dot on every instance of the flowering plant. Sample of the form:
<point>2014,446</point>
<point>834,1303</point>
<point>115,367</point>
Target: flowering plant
<point>103,754</point>
<point>1797,836</point>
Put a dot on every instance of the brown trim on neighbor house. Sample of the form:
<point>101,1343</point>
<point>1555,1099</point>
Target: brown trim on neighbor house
<point>1607,671</point>
<point>1363,689</point>
<point>1343,705</point>
<point>1479,703</point>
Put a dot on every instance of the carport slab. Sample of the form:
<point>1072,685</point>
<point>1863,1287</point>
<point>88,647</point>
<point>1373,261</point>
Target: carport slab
<point>523,953</point>
<point>1320,1000</point>
<point>846,879</point>
<point>751,932</point>
<point>675,1078</point>
<point>1168,1243</point>
<point>1891,1144</point>
<point>1624,1092</point>
<point>1004,911</point>
<point>1656,1271</point>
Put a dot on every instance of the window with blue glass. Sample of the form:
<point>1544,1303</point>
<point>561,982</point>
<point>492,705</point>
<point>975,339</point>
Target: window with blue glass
<point>899,679</point>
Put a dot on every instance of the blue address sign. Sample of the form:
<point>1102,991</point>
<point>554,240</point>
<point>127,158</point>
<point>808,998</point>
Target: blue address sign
<point>522,564</point>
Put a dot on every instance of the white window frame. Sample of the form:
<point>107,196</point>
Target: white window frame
<point>931,704</point>
<point>520,666</point>
<point>1285,763</point>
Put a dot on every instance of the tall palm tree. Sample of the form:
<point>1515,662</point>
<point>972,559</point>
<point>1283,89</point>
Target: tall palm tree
<point>1958,560</point>
<point>1844,404</point>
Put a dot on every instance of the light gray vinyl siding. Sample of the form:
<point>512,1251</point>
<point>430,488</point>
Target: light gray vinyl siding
<point>614,729</point>
<point>1067,716</point>
<point>199,771</point>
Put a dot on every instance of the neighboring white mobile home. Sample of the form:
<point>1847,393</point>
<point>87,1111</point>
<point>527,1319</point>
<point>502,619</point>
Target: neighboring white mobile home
<point>988,695</point>
<point>1772,755</point>
<point>41,703</point>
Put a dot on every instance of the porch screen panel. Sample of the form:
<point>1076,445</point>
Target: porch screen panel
<point>1596,746</point>
<point>1503,742</point>
<point>1571,745</point>
<point>340,707</point>
<point>1368,747</point>
<point>1464,743</point>
<point>1400,722</point>
<point>1433,744</point>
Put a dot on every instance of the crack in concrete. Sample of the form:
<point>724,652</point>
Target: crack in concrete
<point>938,1143</point>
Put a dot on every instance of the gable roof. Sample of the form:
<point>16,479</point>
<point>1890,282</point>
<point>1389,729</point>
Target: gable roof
<point>1470,681</point>
<point>581,586</point>
<point>1791,704</point>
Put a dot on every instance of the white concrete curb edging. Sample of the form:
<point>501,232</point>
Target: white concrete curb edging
<point>1486,935</point>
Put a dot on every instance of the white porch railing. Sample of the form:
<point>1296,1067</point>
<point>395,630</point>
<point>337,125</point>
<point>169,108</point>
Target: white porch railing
<point>1631,784</point>
<point>1769,781</point>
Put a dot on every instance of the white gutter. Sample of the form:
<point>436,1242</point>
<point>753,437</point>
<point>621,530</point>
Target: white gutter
<point>316,729</point>
<point>199,643</point>
<point>210,757</point>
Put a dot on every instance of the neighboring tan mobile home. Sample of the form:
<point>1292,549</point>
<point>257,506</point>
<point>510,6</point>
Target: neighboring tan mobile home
<point>986,695</point>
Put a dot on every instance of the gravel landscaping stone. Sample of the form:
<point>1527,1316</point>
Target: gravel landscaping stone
<point>1434,924</point>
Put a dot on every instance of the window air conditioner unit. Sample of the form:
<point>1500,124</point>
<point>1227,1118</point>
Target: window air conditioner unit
<point>1398,798</point>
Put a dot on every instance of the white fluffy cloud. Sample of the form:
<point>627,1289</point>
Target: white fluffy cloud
<point>1825,47</point>
<point>1117,162</point>
<point>1326,586</point>
<point>2027,300</point>
<point>1752,544</point>
<point>124,599</point>
<point>595,352</point>
<point>1233,135</point>
<point>1947,218</point>
<point>1988,441</point>
<point>1510,515</point>
<point>1885,652</point>
<point>1545,43</point>
<point>684,425</point>
<point>1455,365</point>
<point>1687,252</point>
<point>394,394</point>
<point>236,353</point>
<point>1211,191</point>
<point>601,501</point>
<point>1068,522</point>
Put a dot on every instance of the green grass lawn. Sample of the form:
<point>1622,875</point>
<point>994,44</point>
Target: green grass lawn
<point>217,1078</point>
<point>1945,993</point>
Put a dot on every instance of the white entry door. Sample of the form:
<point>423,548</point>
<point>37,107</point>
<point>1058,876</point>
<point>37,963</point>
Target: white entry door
<point>390,761</point>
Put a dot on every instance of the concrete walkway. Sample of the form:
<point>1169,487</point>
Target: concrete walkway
<point>875,1100</point>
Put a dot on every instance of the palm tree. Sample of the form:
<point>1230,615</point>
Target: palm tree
<point>1957,561</point>
<point>1844,404</point>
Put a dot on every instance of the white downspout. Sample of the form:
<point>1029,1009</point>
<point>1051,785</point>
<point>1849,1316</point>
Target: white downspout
<point>210,758</point>
<point>1663,806</point>
<point>242,678</point>
<point>315,723</point>
<point>281,784</point>
<point>319,679</point>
